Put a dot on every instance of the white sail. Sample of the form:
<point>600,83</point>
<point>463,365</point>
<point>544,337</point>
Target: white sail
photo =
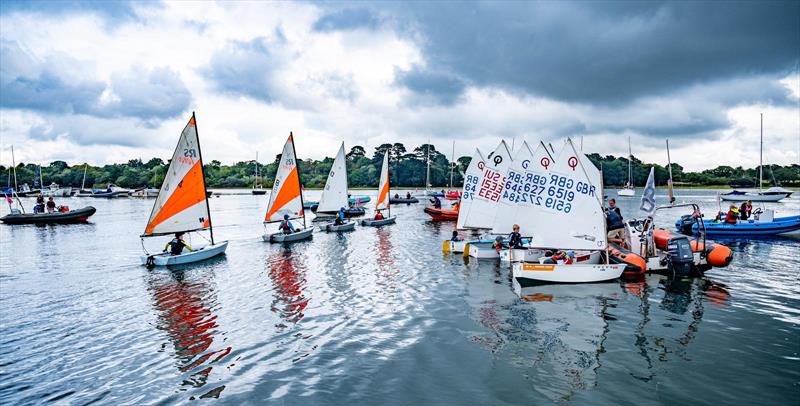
<point>568,213</point>
<point>512,188</point>
<point>383,186</point>
<point>181,204</point>
<point>470,187</point>
<point>285,197</point>
<point>528,175</point>
<point>489,190</point>
<point>334,195</point>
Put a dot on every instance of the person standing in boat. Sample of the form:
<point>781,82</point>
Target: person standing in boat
<point>612,205</point>
<point>176,246</point>
<point>51,205</point>
<point>39,207</point>
<point>437,204</point>
<point>285,226</point>
<point>515,238</point>
<point>614,225</point>
<point>408,195</point>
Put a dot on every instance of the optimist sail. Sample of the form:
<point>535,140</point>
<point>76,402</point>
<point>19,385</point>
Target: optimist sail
<point>383,186</point>
<point>524,183</point>
<point>568,212</point>
<point>334,196</point>
<point>489,190</point>
<point>471,176</point>
<point>285,197</point>
<point>181,204</point>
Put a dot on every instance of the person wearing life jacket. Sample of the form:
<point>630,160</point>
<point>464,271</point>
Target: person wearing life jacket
<point>379,215</point>
<point>176,246</point>
<point>437,204</point>
<point>615,226</point>
<point>39,207</point>
<point>339,217</point>
<point>457,205</point>
<point>733,215</point>
<point>286,226</point>
<point>408,195</point>
<point>498,243</point>
<point>515,238</point>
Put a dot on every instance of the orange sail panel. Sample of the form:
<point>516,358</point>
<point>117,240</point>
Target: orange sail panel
<point>285,196</point>
<point>181,204</point>
<point>383,186</point>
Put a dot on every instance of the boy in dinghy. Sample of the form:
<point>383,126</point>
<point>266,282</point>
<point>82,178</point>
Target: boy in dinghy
<point>286,226</point>
<point>176,245</point>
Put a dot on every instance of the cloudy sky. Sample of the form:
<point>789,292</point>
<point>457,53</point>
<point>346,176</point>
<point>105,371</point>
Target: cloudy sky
<point>107,82</point>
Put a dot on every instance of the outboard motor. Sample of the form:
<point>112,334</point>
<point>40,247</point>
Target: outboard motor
<point>686,223</point>
<point>680,258</point>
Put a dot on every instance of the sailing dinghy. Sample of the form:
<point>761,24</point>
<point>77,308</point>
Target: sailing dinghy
<point>628,190</point>
<point>383,197</point>
<point>567,215</point>
<point>286,199</point>
<point>182,205</point>
<point>334,195</point>
<point>468,189</point>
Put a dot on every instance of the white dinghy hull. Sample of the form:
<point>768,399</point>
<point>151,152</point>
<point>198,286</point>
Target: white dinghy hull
<point>483,250</point>
<point>201,254</point>
<point>293,237</point>
<point>378,223</point>
<point>562,273</point>
<point>331,228</point>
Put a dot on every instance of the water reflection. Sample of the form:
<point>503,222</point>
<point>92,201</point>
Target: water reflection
<point>186,309</point>
<point>288,276</point>
<point>386,272</point>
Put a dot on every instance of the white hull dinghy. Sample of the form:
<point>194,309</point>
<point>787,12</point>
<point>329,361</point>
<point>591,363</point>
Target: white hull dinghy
<point>527,273</point>
<point>383,198</point>
<point>301,235</point>
<point>378,223</point>
<point>333,228</point>
<point>182,204</point>
<point>286,199</point>
<point>200,254</point>
<point>468,189</point>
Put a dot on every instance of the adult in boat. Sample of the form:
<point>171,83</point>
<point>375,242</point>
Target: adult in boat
<point>515,238</point>
<point>39,207</point>
<point>378,215</point>
<point>408,195</point>
<point>612,205</point>
<point>51,205</point>
<point>339,217</point>
<point>176,245</point>
<point>615,226</point>
<point>437,204</point>
<point>285,225</point>
<point>733,215</point>
<point>746,210</point>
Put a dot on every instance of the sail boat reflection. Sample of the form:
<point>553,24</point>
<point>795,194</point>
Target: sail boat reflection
<point>186,312</point>
<point>387,273</point>
<point>563,331</point>
<point>288,279</point>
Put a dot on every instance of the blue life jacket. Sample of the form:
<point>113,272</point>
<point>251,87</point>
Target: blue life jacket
<point>613,220</point>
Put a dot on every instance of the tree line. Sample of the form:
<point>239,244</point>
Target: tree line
<point>408,169</point>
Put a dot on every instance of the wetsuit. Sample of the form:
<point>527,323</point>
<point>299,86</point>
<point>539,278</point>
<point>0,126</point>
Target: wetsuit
<point>176,246</point>
<point>515,240</point>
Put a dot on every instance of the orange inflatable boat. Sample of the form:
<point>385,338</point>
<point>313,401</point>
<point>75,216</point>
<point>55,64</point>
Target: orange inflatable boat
<point>635,264</point>
<point>717,255</point>
<point>442,214</point>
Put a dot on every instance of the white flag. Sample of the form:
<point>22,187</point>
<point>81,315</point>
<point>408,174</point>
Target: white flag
<point>648,204</point>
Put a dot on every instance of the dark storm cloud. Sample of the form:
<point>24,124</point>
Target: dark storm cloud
<point>432,87</point>
<point>243,68</point>
<point>347,19</point>
<point>56,85</point>
<point>605,52</point>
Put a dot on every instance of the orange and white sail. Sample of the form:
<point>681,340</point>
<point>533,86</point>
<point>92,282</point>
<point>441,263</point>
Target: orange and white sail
<point>181,204</point>
<point>383,186</point>
<point>285,197</point>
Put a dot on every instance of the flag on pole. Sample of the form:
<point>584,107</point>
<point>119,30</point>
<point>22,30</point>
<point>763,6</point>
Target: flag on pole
<point>648,204</point>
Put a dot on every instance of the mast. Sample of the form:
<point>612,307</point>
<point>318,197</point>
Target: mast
<point>428,162</point>
<point>14,164</point>
<point>452,164</point>
<point>41,182</point>
<point>299,185</point>
<point>669,184</point>
<point>256,182</point>
<point>389,185</point>
<point>761,157</point>
<point>83,183</point>
<point>630,158</point>
<point>203,171</point>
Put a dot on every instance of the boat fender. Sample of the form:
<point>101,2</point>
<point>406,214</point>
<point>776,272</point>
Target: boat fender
<point>718,255</point>
<point>635,264</point>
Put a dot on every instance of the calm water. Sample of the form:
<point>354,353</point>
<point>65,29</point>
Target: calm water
<point>378,316</point>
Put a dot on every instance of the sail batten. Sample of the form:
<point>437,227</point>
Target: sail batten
<point>334,195</point>
<point>181,205</point>
<point>285,197</point>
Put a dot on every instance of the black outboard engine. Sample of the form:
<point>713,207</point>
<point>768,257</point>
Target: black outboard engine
<point>680,257</point>
<point>686,223</point>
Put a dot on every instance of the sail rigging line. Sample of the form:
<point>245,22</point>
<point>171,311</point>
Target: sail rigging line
<point>299,184</point>
<point>203,172</point>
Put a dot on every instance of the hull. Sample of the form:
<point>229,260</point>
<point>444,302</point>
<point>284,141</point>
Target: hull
<point>483,250</point>
<point>340,228</point>
<point>109,195</point>
<point>73,216</point>
<point>286,238</point>
<point>202,254</point>
<point>60,192</point>
<point>442,214</point>
<point>378,223</point>
<point>258,192</point>
<point>626,192</point>
<point>535,254</point>
<point>779,226</point>
<point>145,193</point>
<point>403,200</point>
<point>525,273</point>
<point>756,197</point>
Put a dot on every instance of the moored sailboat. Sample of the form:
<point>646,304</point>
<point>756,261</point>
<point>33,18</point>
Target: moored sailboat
<point>286,199</point>
<point>382,203</point>
<point>182,205</point>
<point>628,190</point>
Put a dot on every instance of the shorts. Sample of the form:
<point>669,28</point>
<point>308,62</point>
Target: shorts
<point>618,234</point>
